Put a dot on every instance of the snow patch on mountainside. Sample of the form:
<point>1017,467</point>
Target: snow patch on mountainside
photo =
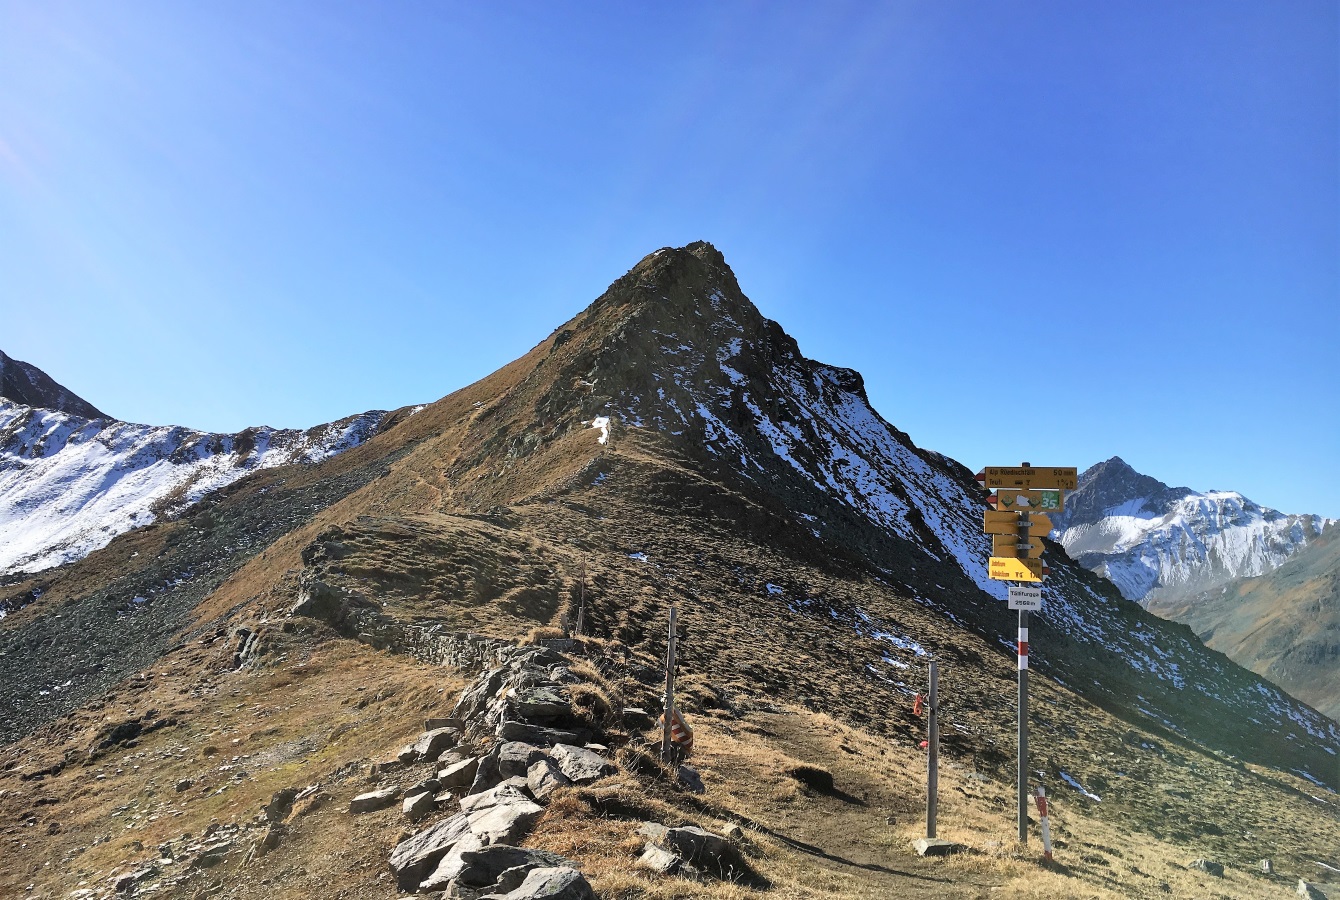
<point>68,484</point>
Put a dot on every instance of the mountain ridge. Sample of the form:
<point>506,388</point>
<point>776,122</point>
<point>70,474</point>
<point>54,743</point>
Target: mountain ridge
<point>28,385</point>
<point>817,557</point>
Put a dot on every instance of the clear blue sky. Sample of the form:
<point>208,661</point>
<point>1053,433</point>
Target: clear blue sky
<point>1043,231</point>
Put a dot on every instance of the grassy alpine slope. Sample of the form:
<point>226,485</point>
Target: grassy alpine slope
<point>818,558</point>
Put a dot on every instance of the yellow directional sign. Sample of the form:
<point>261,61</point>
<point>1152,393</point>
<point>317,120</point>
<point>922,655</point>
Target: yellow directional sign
<point>1015,499</point>
<point>1008,545</point>
<point>1005,569</point>
<point>1035,478</point>
<point>1008,523</point>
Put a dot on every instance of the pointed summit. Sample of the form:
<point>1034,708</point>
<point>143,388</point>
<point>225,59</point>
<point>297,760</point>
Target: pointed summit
<point>25,383</point>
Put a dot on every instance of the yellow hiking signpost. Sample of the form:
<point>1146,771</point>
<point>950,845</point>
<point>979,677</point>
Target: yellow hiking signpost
<point>1023,494</point>
<point>1029,478</point>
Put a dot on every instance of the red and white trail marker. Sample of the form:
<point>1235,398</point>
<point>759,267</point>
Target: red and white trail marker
<point>1041,798</point>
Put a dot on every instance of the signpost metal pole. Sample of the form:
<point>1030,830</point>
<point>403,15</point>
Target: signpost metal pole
<point>581,603</point>
<point>666,753</point>
<point>933,754</point>
<point>1023,703</point>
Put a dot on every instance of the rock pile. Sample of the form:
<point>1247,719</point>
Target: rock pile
<point>512,741</point>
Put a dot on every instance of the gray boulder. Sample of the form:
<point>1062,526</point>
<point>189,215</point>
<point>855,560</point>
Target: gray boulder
<point>431,744</point>
<point>541,703</point>
<point>695,844</point>
<point>416,806</point>
<point>482,868</point>
<point>374,800</point>
<point>513,790</point>
<point>544,777</point>
<point>553,883</point>
<point>660,860</point>
<point>581,765</point>
<point>415,857</point>
<point>505,823</point>
<point>936,847</point>
<point>515,758</point>
<point>1208,866</point>
<point>690,780</point>
<point>1309,890</point>
<point>534,734</point>
<point>458,775</point>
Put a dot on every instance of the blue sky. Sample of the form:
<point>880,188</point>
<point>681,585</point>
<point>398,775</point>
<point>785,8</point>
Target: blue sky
<point>1046,231</point>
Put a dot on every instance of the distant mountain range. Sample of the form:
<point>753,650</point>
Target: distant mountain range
<point>71,478</point>
<point>1255,583</point>
<point>1160,544</point>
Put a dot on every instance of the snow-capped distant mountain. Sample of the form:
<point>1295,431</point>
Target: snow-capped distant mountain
<point>1157,543</point>
<point>70,483</point>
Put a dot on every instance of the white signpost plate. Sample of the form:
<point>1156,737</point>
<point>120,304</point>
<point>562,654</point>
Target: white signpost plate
<point>1025,598</point>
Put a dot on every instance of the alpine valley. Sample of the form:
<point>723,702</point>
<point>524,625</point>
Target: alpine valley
<point>281,663</point>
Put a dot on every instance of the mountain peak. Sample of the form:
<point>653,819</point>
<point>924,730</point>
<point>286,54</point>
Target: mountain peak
<point>25,383</point>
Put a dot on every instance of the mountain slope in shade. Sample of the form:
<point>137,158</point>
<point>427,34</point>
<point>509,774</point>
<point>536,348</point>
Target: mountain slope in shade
<point>1284,625</point>
<point>1161,544</point>
<point>69,484</point>
<point>28,385</point>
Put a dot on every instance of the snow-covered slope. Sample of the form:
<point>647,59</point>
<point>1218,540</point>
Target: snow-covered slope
<point>1157,543</point>
<point>69,484</point>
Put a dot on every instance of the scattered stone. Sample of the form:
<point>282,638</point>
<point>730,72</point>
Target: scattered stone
<point>1267,867</point>
<point>562,675</point>
<point>213,854</point>
<point>184,784</point>
<point>1311,891</point>
<point>125,884</point>
<point>544,777</point>
<point>416,857</point>
<point>1208,866</point>
<point>516,757</point>
<point>482,868</point>
<point>487,774</point>
<point>690,780</point>
<point>541,703</point>
<point>431,785</point>
<point>535,734</point>
<point>407,755</point>
<point>581,765</point>
<point>386,766</point>
<point>280,805</point>
<point>936,847</point>
<point>506,823</point>
<point>374,800</point>
<point>443,722</point>
<point>660,860</point>
<point>733,833</point>
<point>416,806</point>
<point>458,775</point>
<point>553,883</point>
<point>513,790</point>
<point>432,744</point>
<point>635,718</point>
<point>695,844</point>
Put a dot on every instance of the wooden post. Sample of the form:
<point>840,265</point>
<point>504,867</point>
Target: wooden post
<point>933,752</point>
<point>581,603</point>
<point>667,752</point>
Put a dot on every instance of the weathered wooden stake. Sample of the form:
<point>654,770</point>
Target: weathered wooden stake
<point>667,752</point>
<point>581,603</point>
<point>933,752</point>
